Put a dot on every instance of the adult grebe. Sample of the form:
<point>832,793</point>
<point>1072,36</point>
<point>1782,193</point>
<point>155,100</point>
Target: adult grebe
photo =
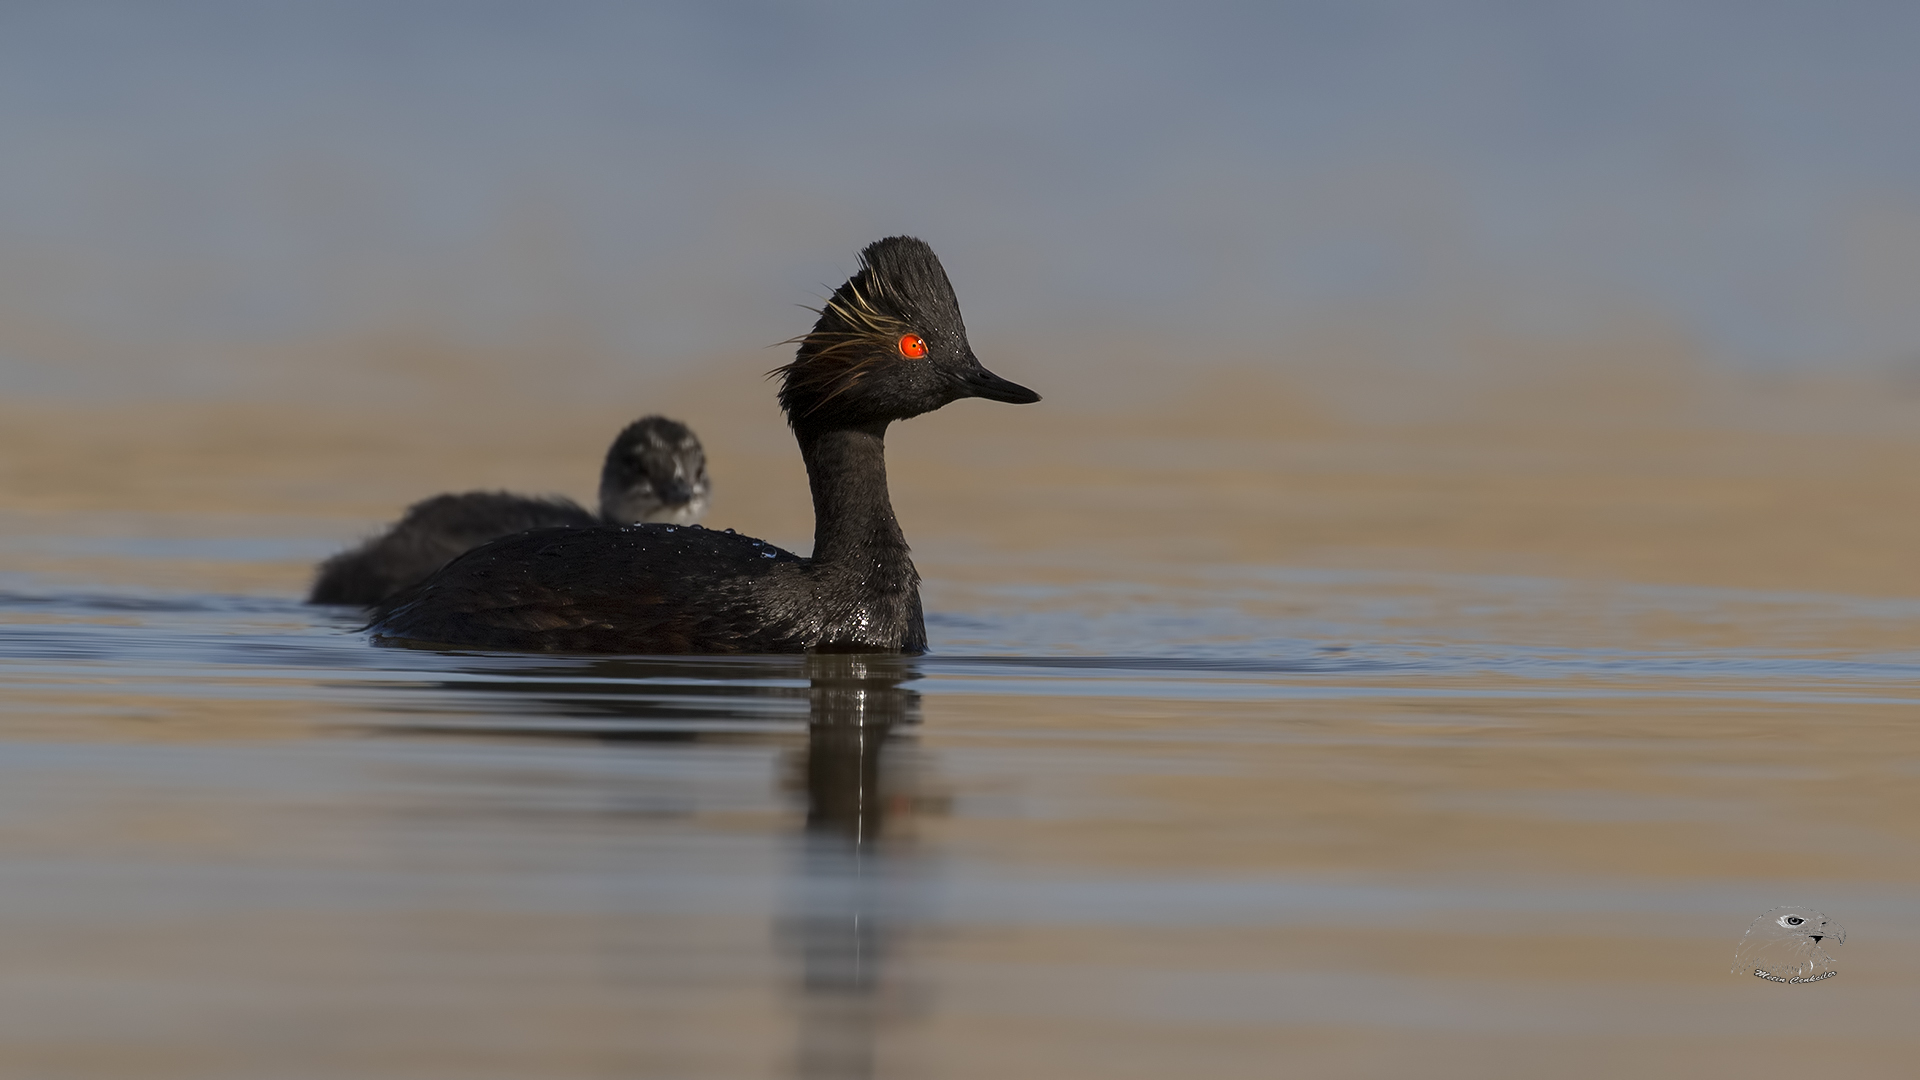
<point>889,345</point>
<point>655,471</point>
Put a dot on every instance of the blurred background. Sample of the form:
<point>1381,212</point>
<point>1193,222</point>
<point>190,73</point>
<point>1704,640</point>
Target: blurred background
<point>302,264</point>
<point>245,199</point>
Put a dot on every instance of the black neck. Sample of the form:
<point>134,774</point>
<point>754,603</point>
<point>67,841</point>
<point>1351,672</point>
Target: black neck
<point>853,522</point>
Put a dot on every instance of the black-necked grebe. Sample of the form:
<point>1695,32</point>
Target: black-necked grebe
<point>889,345</point>
<point>655,471</point>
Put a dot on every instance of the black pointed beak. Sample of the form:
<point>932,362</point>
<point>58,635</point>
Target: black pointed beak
<point>983,383</point>
<point>1816,937</point>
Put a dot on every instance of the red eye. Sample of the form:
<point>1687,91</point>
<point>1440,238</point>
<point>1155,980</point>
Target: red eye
<point>913,346</point>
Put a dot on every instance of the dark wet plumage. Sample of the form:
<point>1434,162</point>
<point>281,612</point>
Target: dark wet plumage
<point>655,470</point>
<point>672,589</point>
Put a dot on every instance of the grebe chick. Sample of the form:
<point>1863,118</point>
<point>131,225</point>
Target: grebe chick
<point>655,471</point>
<point>889,345</point>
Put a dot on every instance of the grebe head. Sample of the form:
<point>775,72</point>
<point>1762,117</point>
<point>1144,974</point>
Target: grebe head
<point>655,471</point>
<point>889,345</point>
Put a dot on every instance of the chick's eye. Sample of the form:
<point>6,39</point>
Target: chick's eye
<point>913,346</point>
<point>1794,920</point>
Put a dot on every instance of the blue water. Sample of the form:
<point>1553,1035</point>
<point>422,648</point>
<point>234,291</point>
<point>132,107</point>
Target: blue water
<point>1368,635</point>
<point>1108,826</point>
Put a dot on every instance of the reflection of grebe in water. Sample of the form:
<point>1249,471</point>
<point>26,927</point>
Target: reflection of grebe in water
<point>854,890</point>
<point>655,471</point>
<point>856,702</point>
<point>889,345</point>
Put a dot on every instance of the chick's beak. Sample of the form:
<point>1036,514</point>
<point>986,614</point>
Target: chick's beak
<point>979,382</point>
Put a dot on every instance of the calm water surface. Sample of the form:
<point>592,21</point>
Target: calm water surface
<point>1233,822</point>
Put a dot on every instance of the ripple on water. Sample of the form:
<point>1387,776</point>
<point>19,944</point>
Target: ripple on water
<point>1110,810</point>
<point>1192,651</point>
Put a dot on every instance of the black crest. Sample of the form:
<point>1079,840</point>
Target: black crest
<point>900,289</point>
